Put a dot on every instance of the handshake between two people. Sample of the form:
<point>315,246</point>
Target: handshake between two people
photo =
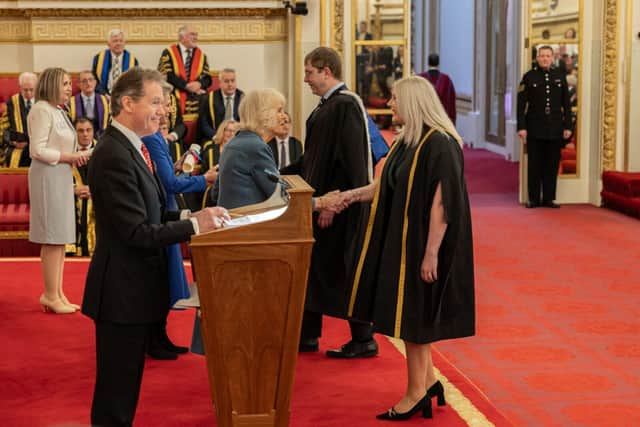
<point>333,203</point>
<point>210,219</point>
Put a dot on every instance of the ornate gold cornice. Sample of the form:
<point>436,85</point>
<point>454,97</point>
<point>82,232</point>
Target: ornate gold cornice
<point>150,30</point>
<point>610,84</point>
<point>158,31</point>
<point>143,12</point>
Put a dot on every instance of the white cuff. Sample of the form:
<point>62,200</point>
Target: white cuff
<point>196,228</point>
<point>184,214</point>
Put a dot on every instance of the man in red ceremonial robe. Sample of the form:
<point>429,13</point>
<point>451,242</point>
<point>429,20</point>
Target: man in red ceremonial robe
<point>443,84</point>
<point>187,69</point>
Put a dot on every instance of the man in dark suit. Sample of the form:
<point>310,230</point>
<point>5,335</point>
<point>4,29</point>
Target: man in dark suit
<point>221,104</point>
<point>127,289</point>
<point>285,148</point>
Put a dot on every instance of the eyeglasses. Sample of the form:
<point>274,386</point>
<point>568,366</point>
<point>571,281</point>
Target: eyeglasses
<point>85,81</point>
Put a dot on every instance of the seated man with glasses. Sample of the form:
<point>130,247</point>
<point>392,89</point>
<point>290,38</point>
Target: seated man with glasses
<point>90,104</point>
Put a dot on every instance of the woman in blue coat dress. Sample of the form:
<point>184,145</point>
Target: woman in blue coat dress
<point>160,346</point>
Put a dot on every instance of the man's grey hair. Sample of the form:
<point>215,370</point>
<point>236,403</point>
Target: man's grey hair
<point>228,70</point>
<point>167,88</point>
<point>27,75</point>
<point>114,32</point>
<point>182,30</point>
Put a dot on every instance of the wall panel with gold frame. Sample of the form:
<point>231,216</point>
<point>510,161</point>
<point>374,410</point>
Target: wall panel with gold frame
<point>559,24</point>
<point>380,41</point>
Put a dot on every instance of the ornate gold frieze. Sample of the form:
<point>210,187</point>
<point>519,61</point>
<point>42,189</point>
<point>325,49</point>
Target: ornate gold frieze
<point>143,31</point>
<point>16,31</point>
<point>610,85</point>
<point>143,12</point>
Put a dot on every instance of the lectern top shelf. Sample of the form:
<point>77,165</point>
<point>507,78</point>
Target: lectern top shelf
<point>286,215</point>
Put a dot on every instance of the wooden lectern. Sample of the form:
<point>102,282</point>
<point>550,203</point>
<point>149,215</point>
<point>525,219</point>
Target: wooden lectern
<point>252,281</point>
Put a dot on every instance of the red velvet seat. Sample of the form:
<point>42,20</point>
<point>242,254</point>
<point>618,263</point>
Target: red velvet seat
<point>14,214</point>
<point>623,183</point>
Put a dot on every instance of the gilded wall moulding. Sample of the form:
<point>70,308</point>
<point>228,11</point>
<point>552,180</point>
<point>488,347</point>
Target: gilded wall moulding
<point>143,12</point>
<point>337,39</point>
<point>610,84</point>
<point>143,31</point>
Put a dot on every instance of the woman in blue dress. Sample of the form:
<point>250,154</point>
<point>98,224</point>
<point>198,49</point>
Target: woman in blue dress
<point>160,346</point>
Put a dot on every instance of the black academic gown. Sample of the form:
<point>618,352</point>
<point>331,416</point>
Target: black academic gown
<point>387,287</point>
<point>336,158</point>
<point>14,121</point>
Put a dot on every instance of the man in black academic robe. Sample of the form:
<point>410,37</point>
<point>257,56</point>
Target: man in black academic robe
<point>219,105</point>
<point>85,218</point>
<point>337,157</point>
<point>13,123</point>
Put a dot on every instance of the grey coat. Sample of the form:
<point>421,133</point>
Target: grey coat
<point>244,166</point>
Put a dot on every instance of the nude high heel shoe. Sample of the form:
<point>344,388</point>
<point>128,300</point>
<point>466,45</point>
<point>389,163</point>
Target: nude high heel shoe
<point>56,306</point>
<point>70,304</point>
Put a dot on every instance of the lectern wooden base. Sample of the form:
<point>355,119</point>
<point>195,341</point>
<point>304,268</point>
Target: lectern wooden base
<point>252,281</point>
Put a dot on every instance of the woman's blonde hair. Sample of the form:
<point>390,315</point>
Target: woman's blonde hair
<point>419,105</point>
<point>258,110</point>
<point>217,138</point>
<point>49,86</point>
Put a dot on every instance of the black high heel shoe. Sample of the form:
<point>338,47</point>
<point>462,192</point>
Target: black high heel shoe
<point>424,404</point>
<point>437,390</point>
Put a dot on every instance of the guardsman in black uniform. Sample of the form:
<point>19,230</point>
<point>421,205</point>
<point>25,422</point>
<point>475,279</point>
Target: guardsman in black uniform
<point>544,124</point>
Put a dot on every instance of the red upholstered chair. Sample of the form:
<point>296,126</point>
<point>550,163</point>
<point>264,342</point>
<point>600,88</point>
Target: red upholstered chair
<point>8,87</point>
<point>624,183</point>
<point>14,214</point>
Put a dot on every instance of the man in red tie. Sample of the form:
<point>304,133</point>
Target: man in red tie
<point>127,289</point>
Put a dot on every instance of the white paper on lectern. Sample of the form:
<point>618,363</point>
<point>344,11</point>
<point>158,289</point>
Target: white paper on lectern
<point>276,201</point>
<point>255,218</point>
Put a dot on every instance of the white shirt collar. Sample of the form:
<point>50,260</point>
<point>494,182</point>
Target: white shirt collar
<point>184,49</point>
<point>280,141</point>
<point>113,55</point>
<point>85,97</point>
<point>330,91</point>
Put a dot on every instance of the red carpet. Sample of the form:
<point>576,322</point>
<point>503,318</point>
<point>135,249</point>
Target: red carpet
<point>558,297</point>
<point>47,371</point>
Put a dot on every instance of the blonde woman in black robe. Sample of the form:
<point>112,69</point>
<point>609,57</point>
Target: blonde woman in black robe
<point>414,276</point>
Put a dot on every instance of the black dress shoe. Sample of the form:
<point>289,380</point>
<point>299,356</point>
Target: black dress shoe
<point>437,390</point>
<point>171,347</point>
<point>308,345</point>
<point>159,353</point>
<point>424,404</point>
<point>166,344</point>
<point>551,204</point>
<point>531,205</point>
<point>354,349</point>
